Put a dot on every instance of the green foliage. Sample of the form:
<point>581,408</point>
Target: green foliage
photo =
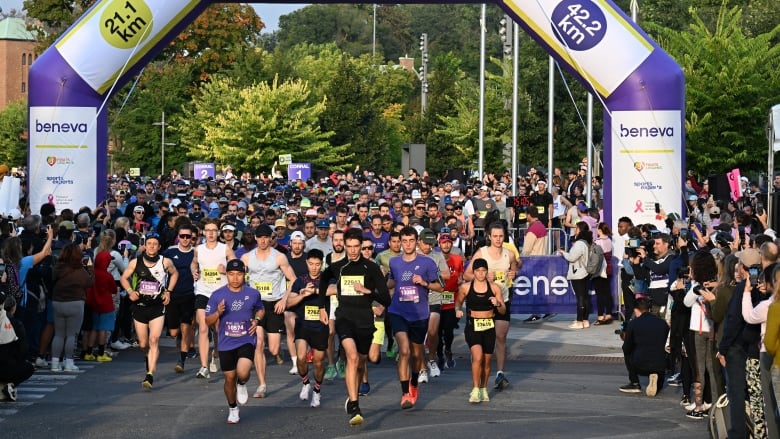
<point>261,122</point>
<point>732,81</point>
<point>52,18</point>
<point>13,134</point>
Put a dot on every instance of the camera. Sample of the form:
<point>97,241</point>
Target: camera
<point>698,289</point>
<point>683,272</point>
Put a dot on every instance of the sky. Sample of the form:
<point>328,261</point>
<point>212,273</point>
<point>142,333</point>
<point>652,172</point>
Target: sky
<point>269,13</point>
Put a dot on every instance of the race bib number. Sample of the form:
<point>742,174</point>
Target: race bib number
<point>482,213</point>
<point>447,297</point>
<point>148,288</point>
<point>348,285</point>
<point>409,294</point>
<point>235,329</point>
<point>540,209</point>
<point>265,288</point>
<point>501,278</point>
<point>311,313</point>
<point>483,324</point>
<point>211,276</point>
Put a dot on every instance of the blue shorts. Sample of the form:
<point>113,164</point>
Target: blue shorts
<point>103,321</point>
<point>416,330</point>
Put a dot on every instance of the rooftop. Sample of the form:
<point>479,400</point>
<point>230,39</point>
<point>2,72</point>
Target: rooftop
<point>14,28</point>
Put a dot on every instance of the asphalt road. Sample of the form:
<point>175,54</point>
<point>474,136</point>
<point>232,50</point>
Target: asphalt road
<point>551,396</point>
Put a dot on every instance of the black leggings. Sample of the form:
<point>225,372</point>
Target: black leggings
<point>604,302</point>
<point>580,287</point>
<point>446,331</point>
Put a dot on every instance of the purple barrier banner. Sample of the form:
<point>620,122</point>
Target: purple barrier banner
<point>541,287</point>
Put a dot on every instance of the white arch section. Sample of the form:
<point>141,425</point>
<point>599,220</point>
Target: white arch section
<point>641,87</point>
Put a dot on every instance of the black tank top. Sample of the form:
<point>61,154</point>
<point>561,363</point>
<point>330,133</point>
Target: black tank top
<point>479,301</point>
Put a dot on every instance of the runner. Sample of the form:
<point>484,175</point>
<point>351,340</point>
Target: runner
<point>448,296</point>
<point>335,368</point>
<point>267,269</point>
<point>358,282</point>
<point>310,332</point>
<point>481,297</point>
<point>413,276</point>
<point>236,308</point>
<point>181,309</point>
<point>297,260</point>
<point>383,259</point>
<point>503,268</point>
<point>153,277</point>
<point>208,268</point>
<point>375,351</point>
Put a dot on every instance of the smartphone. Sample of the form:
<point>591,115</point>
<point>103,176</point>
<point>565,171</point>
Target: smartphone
<point>753,275</point>
<point>657,207</point>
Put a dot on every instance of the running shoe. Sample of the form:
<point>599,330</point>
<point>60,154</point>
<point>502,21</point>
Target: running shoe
<point>501,381</point>
<point>414,392</point>
<point>191,354</point>
<point>9,390</point>
<point>70,367</point>
<point>203,373</point>
<point>41,362</point>
<point>353,410</point>
<point>315,399</point>
<point>406,401</point>
<point>233,417</point>
<point>119,345</point>
<point>694,414</point>
<point>56,366</point>
<point>88,357</point>
<point>242,396</point>
<point>279,359</point>
<point>434,368</point>
<point>213,365</point>
<point>685,401</point>
<point>450,361</point>
<point>483,395</point>
<point>104,358</point>
<point>631,388</point>
<point>260,392</point>
<point>305,389</point>
<point>341,368</point>
<point>179,368</point>
<point>392,352</point>
<point>534,318</point>
<point>148,381</point>
<point>474,396</point>
<point>330,373</point>
<point>423,376</point>
<point>293,370</point>
<point>652,386</point>
<point>364,389</point>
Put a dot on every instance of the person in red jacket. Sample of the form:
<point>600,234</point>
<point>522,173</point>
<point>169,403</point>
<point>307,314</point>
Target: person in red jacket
<point>101,303</point>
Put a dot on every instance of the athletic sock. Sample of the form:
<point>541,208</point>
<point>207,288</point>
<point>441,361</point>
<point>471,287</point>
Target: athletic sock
<point>233,405</point>
<point>241,382</point>
<point>317,385</point>
<point>305,379</point>
<point>415,377</point>
<point>182,356</point>
<point>405,386</point>
<point>101,350</point>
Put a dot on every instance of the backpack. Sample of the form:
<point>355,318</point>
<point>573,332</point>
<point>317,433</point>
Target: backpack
<point>595,260</point>
<point>40,281</point>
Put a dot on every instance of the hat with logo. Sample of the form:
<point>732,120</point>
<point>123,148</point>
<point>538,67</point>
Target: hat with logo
<point>311,212</point>
<point>428,236</point>
<point>263,230</point>
<point>229,227</point>
<point>297,235</point>
<point>323,224</point>
<point>444,237</point>
<point>235,265</point>
<point>138,209</point>
<point>749,257</point>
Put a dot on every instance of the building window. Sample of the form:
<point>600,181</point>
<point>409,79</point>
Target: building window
<point>24,59</point>
<point>24,87</point>
<point>29,59</point>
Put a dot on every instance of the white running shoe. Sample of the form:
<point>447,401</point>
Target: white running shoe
<point>233,416</point>
<point>434,368</point>
<point>304,395</point>
<point>315,399</point>
<point>260,392</point>
<point>41,362</point>
<point>423,376</point>
<point>293,370</point>
<point>241,394</point>
<point>203,373</point>
<point>213,365</point>
<point>119,345</point>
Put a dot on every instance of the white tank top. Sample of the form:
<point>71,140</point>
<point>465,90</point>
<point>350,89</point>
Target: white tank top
<point>559,209</point>
<point>209,278</point>
<point>265,275</point>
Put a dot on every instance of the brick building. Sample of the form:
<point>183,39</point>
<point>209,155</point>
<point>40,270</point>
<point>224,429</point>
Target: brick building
<point>17,52</point>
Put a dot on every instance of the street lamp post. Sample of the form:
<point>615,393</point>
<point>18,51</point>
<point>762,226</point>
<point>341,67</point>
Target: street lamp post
<point>424,71</point>
<point>162,126</point>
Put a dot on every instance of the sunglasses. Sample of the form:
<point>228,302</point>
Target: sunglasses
<point>371,247</point>
<point>448,210</point>
<point>185,236</point>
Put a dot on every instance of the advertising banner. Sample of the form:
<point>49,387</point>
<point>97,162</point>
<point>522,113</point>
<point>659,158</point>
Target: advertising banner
<point>63,150</point>
<point>735,184</point>
<point>647,161</point>
<point>541,287</point>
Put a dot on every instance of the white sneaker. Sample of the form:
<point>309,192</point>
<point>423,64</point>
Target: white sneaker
<point>434,369</point>
<point>119,345</point>
<point>304,395</point>
<point>233,416</point>
<point>293,370</point>
<point>423,376</point>
<point>203,373</point>
<point>241,394</point>
<point>69,366</point>
<point>56,366</point>
<point>9,390</point>
<point>213,365</point>
<point>315,399</point>
<point>260,392</point>
<point>41,362</point>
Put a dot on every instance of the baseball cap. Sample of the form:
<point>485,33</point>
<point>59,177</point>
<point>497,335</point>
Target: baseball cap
<point>228,226</point>
<point>749,257</point>
<point>280,223</point>
<point>138,209</point>
<point>311,212</point>
<point>263,230</point>
<point>305,202</point>
<point>235,265</point>
<point>323,224</point>
<point>479,263</point>
<point>416,194</point>
<point>297,235</point>
<point>445,237</point>
<point>483,188</point>
<point>291,212</point>
<point>428,236</point>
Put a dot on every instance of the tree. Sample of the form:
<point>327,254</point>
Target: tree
<point>732,81</point>
<point>52,17</point>
<point>13,134</point>
<point>268,120</point>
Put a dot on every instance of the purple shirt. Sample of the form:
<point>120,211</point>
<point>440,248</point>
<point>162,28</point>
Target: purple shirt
<point>234,323</point>
<point>410,301</point>
<point>381,243</point>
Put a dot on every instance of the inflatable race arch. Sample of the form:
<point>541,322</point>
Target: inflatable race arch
<point>642,88</point>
